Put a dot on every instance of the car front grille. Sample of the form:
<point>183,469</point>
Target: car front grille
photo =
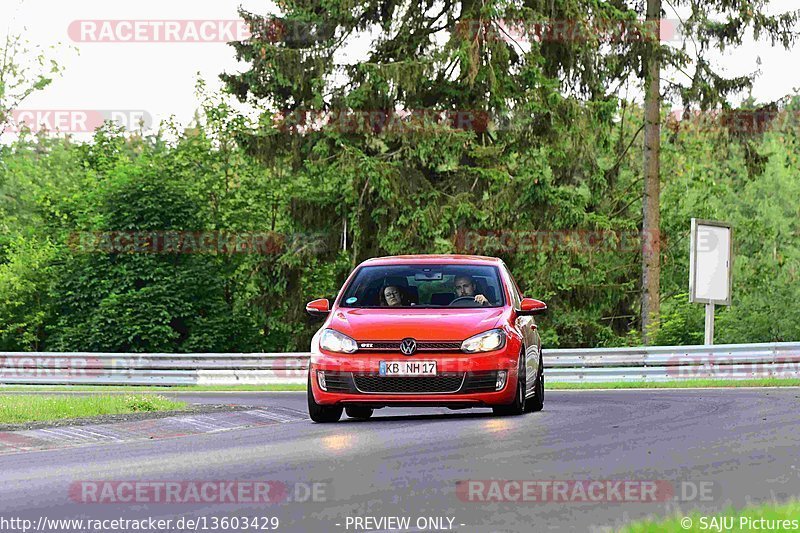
<point>422,346</point>
<point>438,345</point>
<point>473,382</point>
<point>445,383</point>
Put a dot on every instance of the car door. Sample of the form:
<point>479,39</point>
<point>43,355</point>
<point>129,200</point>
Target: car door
<point>530,334</point>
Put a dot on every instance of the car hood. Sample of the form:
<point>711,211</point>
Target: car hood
<point>422,324</point>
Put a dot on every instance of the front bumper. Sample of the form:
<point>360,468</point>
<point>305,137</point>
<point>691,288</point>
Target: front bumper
<point>463,380</point>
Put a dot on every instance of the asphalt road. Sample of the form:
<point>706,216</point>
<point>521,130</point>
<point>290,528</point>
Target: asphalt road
<point>717,447</point>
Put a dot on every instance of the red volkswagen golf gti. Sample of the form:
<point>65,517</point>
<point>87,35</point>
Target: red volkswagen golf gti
<point>426,330</point>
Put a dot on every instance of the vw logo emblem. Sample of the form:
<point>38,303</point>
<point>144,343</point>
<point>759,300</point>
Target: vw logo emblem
<point>408,346</point>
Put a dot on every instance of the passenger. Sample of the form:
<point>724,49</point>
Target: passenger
<point>394,296</point>
<point>465,286</point>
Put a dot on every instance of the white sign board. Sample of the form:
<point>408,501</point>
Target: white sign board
<point>710,262</point>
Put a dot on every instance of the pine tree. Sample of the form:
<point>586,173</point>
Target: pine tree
<point>513,108</point>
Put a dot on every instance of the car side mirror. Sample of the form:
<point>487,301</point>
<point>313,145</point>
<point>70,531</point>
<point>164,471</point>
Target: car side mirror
<point>529,306</point>
<point>318,308</point>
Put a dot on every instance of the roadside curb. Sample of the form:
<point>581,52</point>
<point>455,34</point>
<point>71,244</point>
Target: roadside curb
<point>157,392</point>
<point>60,437</point>
<point>257,392</point>
<point>658,389</point>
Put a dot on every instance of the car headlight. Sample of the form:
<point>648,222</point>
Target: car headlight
<point>494,339</point>
<point>333,341</point>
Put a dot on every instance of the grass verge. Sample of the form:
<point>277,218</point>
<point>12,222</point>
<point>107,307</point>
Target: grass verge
<point>147,388</point>
<point>17,409</point>
<point>686,384</point>
<point>769,517</point>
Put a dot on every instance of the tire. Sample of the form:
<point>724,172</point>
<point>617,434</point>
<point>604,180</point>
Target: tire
<point>536,403</point>
<point>361,413</point>
<point>517,407</point>
<point>322,414</point>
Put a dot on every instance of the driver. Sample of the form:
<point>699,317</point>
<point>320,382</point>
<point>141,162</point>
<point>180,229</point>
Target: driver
<point>465,286</point>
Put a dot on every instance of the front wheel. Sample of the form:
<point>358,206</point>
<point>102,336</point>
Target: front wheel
<point>537,402</point>
<point>321,413</point>
<point>517,407</point>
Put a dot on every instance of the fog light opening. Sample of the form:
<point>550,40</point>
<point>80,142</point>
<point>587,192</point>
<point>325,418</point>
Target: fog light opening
<point>321,380</point>
<point>501,379</point>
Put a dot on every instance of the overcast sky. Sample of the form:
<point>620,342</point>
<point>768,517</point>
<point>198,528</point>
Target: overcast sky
<point>159,78</point>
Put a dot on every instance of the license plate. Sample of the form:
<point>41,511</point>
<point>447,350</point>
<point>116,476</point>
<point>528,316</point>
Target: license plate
<point>408,368</point>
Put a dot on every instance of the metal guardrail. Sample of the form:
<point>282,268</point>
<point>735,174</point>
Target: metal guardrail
<point>674,363</point>
<point>657,363</point>
<point>65,368</point>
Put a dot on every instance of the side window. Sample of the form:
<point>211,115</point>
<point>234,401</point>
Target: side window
<point>516,295</point>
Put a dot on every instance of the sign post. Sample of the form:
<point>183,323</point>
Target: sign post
<point>710,260</point>
<point>709,338</point>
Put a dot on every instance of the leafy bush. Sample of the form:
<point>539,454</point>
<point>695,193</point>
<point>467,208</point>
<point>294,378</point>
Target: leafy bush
<point>55,296</point>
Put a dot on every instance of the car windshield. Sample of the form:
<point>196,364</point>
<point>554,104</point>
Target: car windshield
<point>424,286</point>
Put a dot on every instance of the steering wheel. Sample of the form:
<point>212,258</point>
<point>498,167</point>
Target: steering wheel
<point>463,300</point>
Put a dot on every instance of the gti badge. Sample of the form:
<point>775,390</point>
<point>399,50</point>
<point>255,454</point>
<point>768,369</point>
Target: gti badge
<point>408,346</point>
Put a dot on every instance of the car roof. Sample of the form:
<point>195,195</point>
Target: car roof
<point>449,259</point>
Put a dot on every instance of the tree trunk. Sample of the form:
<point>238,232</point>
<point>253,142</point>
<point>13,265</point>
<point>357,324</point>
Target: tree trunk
<point>651,231</point>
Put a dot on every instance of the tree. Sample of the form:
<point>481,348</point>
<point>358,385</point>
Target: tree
<point>146,269</point>
<point>25,308</point>
<point>710,26</point>
<point>528,156</point>
<point>24,69</point>
<point>520,147</point>
<point>651,225</point>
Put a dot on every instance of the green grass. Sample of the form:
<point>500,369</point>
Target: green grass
<point>16,409</point>
<point>178,388</point>
<point>684,384</point>
<point>769,512</point>
<point>693,383</point>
